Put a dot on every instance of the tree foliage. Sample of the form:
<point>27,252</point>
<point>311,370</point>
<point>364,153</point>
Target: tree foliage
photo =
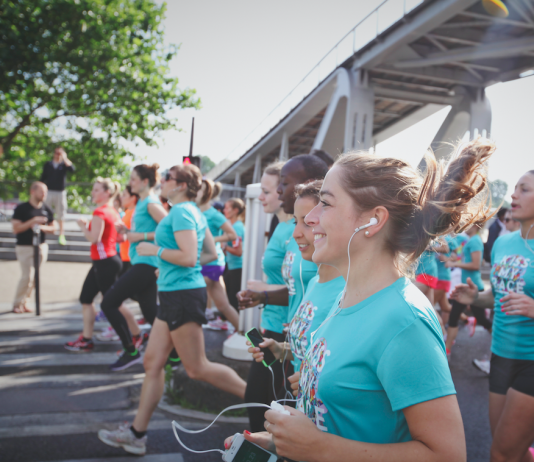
<point>207,164</point>
<point>91,75</point>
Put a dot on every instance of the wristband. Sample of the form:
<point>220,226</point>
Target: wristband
<point>266,297</point>
<point>145,238</point>
<point>160,251</point>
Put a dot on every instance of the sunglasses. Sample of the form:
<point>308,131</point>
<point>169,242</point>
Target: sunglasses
<point>168,177</point>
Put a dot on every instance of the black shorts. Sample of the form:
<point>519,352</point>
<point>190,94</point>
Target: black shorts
<point>100,278</point>
<point>126,265</point>
<point>179,307</point>
<point>511,373</point>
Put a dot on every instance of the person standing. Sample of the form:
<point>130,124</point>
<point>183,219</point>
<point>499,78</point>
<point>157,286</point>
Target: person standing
<point>54,173</point>
<point>102,235</point>
<point>27,215</point>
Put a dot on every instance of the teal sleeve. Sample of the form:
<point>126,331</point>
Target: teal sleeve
<point>414,368</point>
<point>182,220</point>
<point>218,220</point>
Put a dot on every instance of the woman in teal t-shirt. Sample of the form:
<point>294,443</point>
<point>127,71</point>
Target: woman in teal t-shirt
<point>511,383</point>
<point>183,243</point>
<point>222,231</point>
<point>376,372</point>
<point>472,255</point>
<point>234,211</point>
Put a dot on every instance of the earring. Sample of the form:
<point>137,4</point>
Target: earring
<point>367,233</point>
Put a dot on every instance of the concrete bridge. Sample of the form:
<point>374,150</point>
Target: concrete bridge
<point>403,62</point>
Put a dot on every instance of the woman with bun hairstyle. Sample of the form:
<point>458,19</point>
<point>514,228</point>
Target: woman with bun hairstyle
<point>222,231</point>
<point>102,235</point>
<point>140,281</point>
<point>375,383</point>
<point>234,211</point>
<point>183,243</point>
<point>511,379</point>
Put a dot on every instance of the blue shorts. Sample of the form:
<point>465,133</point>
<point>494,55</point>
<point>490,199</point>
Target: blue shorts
<point>214,272</point>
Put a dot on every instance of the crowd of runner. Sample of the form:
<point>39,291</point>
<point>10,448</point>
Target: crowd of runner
<point>364,350</point>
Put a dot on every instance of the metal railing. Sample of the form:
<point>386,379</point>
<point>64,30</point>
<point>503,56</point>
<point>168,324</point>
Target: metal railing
<point>377,21</point>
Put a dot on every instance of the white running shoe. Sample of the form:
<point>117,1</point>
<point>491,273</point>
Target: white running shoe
<point>125,439</point>
<point>210,314</point>
<point>482,364</point>
<point>107,335</point>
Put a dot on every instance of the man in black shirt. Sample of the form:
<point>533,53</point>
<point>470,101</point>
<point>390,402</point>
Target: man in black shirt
<point>27,215</point>
<point>54,173</point>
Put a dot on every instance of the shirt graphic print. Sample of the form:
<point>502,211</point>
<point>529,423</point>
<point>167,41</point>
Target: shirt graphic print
<point>287,266</point>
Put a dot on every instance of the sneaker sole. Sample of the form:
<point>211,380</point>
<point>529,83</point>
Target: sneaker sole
<point>78,350</point>
<point>126,447</point>
<point>126,366</point>
<point>479,368</point>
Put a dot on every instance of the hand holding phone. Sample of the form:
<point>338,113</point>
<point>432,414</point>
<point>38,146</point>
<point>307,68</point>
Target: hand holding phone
<point>254,337</point>
<point>245,451</point>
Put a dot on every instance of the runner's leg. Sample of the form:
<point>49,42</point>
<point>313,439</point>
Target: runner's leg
<point>218,294</point>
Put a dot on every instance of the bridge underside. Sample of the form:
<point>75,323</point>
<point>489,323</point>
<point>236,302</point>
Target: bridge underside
<point>443,53</point>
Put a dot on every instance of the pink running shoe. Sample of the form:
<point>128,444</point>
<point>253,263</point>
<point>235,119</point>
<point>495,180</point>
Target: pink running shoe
<point>471,324</point>
<point>218,324</point>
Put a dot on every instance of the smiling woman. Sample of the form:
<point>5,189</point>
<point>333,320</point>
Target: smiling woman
<point>381,345</point>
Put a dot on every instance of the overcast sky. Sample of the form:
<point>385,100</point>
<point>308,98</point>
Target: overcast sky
<point>243,57</point>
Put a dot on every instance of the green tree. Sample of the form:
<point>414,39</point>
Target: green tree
<point>207,164</point>
<point>91,75</point>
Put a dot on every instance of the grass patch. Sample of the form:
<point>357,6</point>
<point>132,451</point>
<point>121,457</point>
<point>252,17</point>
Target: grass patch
<point>175,396</point>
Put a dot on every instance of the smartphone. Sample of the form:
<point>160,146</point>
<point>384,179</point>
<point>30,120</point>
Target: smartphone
<point>254,337</point>
<point>245,451</point>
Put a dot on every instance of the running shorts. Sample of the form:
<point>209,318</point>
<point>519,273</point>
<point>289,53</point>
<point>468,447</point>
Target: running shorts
<point>100,278</point>
<point>443,285</point>
<point>427,280</point>
<point>214,272</point>
<point>508,373</point>
<point>179,307</point>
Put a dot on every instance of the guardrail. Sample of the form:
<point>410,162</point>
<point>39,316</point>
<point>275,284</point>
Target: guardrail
<point>377,21</point>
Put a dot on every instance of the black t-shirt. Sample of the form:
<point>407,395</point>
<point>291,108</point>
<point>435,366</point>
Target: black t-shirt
<point>27,211</point>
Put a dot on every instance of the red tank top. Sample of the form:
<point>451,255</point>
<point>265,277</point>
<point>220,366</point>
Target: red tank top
<point>107,247</point>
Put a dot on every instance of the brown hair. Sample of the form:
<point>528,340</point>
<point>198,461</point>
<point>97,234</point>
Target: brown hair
<point>238,204</point>
<point>112,187</point>
<point>217,188</point>
<point>148,172</point>
<point>191,176</point>
<point>311,189</point>
<point>448,198</point>
<point>208,191</point>
<point>274,169</point>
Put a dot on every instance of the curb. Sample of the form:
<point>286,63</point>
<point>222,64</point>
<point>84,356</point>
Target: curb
<point>191,414</point>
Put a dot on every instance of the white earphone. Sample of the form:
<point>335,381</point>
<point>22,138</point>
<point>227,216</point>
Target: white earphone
<point>373,221</point>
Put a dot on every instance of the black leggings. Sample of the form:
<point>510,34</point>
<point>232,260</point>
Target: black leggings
<point>100,278</point>
<point>260,386</point>
<point>138,282</point>
<point>479,313</point>
<point>232,281</point>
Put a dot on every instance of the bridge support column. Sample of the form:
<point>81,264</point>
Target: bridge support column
<point>256,177</point>
<point>284,148</point>
<point>360,112</point>
<point>472,114</point>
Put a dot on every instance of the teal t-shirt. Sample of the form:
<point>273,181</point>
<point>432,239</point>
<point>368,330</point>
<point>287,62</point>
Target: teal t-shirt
<point>473,245</point>
<point>512,270</point>
<point>215,220</point>
<point>444,274</point>
<point>371,361</point>
<point>296,279</point>
<point>183,216</point>
<point>274,316</point>
<point>317,302</point>
<point>142,222</point>
<point>427,264</point>
<point>233,261</point>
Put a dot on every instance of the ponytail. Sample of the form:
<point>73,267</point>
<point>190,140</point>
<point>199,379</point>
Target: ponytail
<point>208,191</point>
<point>148,172</point>
<point>112,187</point>
<point>238,204</point>
<point>216,191</point>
